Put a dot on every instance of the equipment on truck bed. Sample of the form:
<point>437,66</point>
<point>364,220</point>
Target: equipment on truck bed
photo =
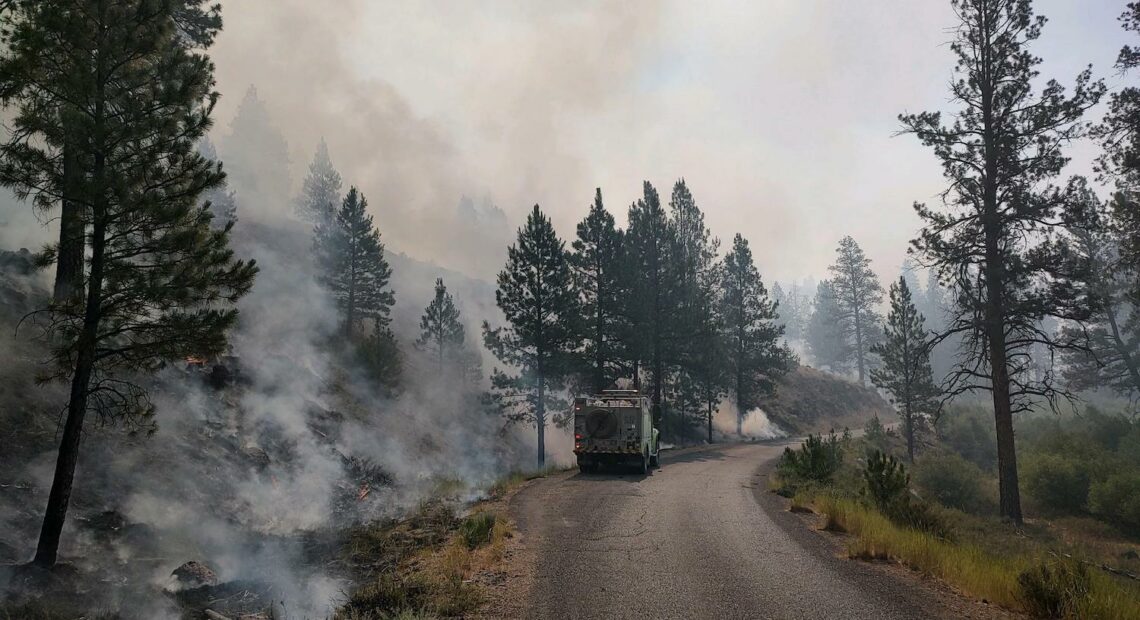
<point>615,427</point>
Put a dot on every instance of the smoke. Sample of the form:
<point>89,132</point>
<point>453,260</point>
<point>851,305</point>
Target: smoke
<point>254,479</point>
<point>421,105</point>
<point>756,424</point>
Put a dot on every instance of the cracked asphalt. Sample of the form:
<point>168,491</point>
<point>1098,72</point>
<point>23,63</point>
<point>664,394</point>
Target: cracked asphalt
<point>698,538</point>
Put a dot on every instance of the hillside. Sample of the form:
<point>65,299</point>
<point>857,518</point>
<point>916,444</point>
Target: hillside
<point>809,400</point>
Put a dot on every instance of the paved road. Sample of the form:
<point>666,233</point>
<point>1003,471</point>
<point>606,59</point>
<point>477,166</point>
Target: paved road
<point>698,538</point>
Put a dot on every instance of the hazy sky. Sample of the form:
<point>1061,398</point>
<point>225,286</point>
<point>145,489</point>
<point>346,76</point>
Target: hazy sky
<point>779,113</point>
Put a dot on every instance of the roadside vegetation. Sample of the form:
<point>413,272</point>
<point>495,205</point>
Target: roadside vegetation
<point>1076,556</point>
<point>433,564</point>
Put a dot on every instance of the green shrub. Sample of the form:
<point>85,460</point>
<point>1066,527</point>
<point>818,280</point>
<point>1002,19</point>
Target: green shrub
<point>1054,590</point>
<point>1117,498</point>
<point>917,515</point>
<point>875,433</point>
<point>969,432</point>
<point>476,529</point>
<point>1107,430</point>
<point>952,481</point>
<point>887,485</point>
<point>1059,483</point>
<point>885,478</point>
<point>816,460</point>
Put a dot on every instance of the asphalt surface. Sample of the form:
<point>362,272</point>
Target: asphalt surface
<point>698,538</point>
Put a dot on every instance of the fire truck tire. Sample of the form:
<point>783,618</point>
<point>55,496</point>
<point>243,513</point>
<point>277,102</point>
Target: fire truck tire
<point>644,469</point>
<point>655,460</point>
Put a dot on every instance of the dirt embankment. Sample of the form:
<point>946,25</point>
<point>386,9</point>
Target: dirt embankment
<point>811,401</point>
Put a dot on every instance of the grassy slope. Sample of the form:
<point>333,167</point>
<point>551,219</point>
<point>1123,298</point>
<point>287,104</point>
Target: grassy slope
<point>982,557</point>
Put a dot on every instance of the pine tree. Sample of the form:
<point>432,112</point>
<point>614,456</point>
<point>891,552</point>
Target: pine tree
<point>257,158</point>
<point>220,199</point>
<point>650,290</point>
<point>1119,133</point>
<point>696,278</point>
<point>905,372</point>
<point>826,337</point>
<point>136,93</point>
<point>795,311</point>
<point>351,259</point>
<point>1112,334</point>
<point>755,356</point>
<point>596,263</point>
<point>320,192</point>
<point>999,154</point>
<point>443,338</point>
<point>857,293</point>
<point>536,295</point>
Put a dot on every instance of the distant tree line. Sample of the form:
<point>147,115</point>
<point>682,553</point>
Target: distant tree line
<point>653,304</point>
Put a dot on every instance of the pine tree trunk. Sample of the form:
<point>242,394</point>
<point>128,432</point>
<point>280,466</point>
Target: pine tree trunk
<point>993,271</point>
<point>59,497</point>
<point>69,259</point>
<point>908,424</point>
<point>710,419</point>
<point>599,356</point>
<point>540,418</point>
<point>859,347</point>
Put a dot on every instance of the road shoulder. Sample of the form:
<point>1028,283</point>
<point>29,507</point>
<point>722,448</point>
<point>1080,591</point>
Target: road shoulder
<point>889,581</point>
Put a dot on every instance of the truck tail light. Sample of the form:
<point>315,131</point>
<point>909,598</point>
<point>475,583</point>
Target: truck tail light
<point>577,436</point>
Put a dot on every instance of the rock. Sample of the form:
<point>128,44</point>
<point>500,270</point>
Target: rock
<point>259,457</point>
<point>1131,554</point>
<point>190,575</point>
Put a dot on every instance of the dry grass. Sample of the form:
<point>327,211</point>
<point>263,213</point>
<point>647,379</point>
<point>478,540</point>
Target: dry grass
<point>430,565</point>
<point>966,565</point>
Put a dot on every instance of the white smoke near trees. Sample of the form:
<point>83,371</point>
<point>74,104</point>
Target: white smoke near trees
<point>756,424</point>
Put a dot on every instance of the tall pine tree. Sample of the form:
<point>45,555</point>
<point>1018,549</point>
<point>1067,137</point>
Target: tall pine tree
<point>826,336</point>
<point>651,290</point>
<point>596,263</point>
<point>694,272</point>
<point>1112,333</point>
<point>353,268</point>
<point>756,357</point>
<point>857,293</point>
<point>443,338</point>
<point>999,154</point>
<point>540,341</point>
<point>257,159</point>
<point>320,192</point>
<point>160,284</point>
<point>905,372</point>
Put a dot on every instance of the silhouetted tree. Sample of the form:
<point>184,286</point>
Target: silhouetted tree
<point>540,340</point>
<point>857,293</point>
<point>353,268</point>
<point>999,154</point>
<point>905,372</point>
<point>826,336</point>
<point>651,289</point>
<point>596,263</point>
<point>1112,332</point>
<point>696,278</point>
<point>755,356</point>
<point>160,284</point>
<point>320,192</point>
<point>443,338</point>
<point>257,158</point>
